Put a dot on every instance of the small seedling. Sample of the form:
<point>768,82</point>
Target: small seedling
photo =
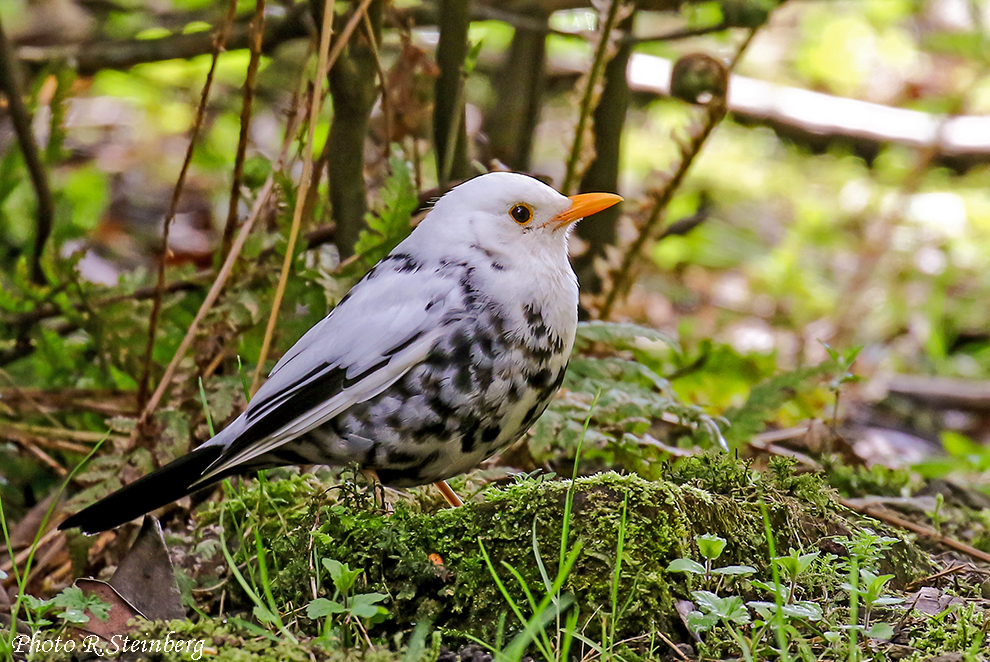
<point>710,547</point>
<point>352,608</point>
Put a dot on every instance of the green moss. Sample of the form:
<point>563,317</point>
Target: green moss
<point>210,639</point>
<point>432,568</point>
<point>858,481</point>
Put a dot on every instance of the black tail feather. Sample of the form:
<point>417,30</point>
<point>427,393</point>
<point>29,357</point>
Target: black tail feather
<point>171,482</point>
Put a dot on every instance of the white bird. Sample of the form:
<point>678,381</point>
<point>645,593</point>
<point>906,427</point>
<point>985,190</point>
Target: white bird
<point>448,350</point>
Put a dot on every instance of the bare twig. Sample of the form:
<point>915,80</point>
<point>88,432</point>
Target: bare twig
<point>369,30</point>
<point>584,111</point>
<point>27,443</point>
<point>259,205</point>
<point>211,297</point>
<point>714,112</point>
<point>257,34</point>
<point>124,54</point>
<point>346,33</point>
<point>677,651</point>
<point>25,138</point>
<point>952,569</point>
<point>325,62</point>
<point>100,401</point>
<point>673,35</point>
<point>314,112</point>
<point>218,46</point>
<point>890,518</point>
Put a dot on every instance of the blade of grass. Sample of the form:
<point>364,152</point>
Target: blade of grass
<point>21,578</point>
<point>569,501</point>
<point>778,598</point>
<point>206,407</point>
<point>620,549</point>
<point>508,598</point>
<point>251,593</point>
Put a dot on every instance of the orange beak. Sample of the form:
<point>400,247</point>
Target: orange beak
<point>584,205</point>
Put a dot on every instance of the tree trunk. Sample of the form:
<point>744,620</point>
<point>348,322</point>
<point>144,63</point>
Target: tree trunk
<point>352,86</point>
<point>519,84</point>
<point>448,111</point>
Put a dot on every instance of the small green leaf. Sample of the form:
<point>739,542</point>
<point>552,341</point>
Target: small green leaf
<point>880,631</point>
<point>804,609</point>
<point>321,607</point>
<point>263,614</point>
<point>710,546</point>
<point>365,605</point>
<point>735,570</point>
<point>74,616</point>
<point>686,565</point>
<point>341,574</point>
<point>766,610</point>
<point>699,622</point>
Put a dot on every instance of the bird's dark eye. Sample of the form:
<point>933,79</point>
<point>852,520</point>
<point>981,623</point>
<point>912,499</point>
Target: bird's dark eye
<point>521,214</point>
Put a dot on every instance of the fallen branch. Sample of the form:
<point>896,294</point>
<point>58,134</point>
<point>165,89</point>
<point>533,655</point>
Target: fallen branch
<point>941,392</point>
<point>928,532</point>
<point>818,119</point>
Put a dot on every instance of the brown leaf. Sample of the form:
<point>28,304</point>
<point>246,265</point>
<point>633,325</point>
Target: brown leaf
<point>121,611</point>
<point>146,578</point>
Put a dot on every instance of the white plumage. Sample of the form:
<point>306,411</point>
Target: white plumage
<point>446,351</point>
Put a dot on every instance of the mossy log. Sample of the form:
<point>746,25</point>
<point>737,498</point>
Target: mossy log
<point>433,568</point>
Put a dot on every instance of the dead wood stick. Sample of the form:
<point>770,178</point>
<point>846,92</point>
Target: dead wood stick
<point>928,532</point>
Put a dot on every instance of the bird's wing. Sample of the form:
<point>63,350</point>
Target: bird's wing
<point>384,327</point>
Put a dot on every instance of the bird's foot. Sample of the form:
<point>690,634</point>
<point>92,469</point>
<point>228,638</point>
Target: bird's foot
<point>376,484</point>
<point>449,494</point>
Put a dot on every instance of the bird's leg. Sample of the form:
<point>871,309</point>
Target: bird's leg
<point>376,484</point>
<point>449,494</point>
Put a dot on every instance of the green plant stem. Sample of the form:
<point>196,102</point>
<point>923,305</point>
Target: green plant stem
<point>778,616</point>
<point>740,640</point>
<point>853,607</point>
<point>251,593</point>
<point>620,549</point>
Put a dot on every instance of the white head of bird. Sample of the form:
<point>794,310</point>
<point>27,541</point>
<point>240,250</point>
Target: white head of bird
<point>514,216</point>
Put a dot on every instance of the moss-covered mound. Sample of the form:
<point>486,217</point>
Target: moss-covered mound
<point>432,564</point>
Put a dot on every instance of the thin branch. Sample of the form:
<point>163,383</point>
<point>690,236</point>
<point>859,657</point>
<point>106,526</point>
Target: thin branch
<point>896,520</point>
<point>25,138</point>
<point>597,67</point>
<point>259,205</point>
<point>257,35</point>
<point>673,35</point>
<point>218,46</point>
<point>316,102</point>
<point>92,58</point>
<point>325,62</point>
<point>346,33</point>
<point>386,108</point>
<point>211,297</point>
<point>714,112</point>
